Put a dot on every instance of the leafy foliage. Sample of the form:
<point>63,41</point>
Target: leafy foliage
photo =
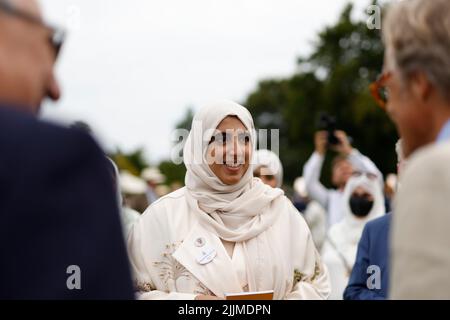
<point>347,56</point>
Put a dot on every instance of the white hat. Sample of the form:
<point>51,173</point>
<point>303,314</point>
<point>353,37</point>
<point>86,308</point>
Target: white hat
<point>271,163</point>
<point>153,175</point>
<point>300,187</point>
<point>130,184</point>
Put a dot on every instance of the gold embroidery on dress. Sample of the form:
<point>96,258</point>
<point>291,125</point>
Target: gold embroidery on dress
<point>169,267</point>
<point>317,271</point>
<point>298,276</point>
<point>143,286</point>
<point>201,289</point>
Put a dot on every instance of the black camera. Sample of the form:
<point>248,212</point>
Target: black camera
<point>328,123</point>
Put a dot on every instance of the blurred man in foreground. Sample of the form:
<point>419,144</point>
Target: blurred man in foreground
<point>57,240</point>
<point>417,78</point>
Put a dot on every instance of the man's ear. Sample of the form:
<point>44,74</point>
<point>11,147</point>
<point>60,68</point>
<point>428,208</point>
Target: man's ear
<point>421,86</point>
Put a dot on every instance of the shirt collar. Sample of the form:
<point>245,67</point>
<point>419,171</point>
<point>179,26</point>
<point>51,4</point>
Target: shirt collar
<point>445,133</point>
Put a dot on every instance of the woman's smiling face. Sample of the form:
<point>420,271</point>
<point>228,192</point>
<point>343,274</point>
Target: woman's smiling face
<point>229,150</point>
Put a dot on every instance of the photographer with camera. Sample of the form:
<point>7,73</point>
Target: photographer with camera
<point>344,164</point>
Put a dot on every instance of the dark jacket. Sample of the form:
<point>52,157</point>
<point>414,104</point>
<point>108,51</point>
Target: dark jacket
<point>58,209</point>
<point>373,250</point>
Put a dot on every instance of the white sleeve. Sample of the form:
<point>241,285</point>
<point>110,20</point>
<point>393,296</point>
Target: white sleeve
<point>141,275</point>
<point>311,174</point>
<point>314,286</point>
<point>311,278</point>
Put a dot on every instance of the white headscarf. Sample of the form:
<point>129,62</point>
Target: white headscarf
<point>268,159</point>
<point>238,210</point>
<point>237,213</point>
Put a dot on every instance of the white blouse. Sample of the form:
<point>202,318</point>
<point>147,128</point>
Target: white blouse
<point>167,244</point>
<point>239,266</point>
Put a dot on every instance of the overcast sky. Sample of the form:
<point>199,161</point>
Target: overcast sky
<point>130,68</point>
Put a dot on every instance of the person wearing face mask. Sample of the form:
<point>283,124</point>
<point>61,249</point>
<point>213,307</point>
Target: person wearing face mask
<point>226,231</point>
<point>362,201</point>
<point>370,275</point>
<point>348,160</point>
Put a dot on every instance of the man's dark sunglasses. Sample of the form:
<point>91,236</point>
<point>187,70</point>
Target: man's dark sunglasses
<point>57,35</point>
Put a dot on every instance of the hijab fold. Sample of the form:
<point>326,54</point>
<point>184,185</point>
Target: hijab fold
<point>236,212</point>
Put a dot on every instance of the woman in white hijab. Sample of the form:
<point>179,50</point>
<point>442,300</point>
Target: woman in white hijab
<point>363,201</point>
<point>268,168</point>
<point>225,232</point>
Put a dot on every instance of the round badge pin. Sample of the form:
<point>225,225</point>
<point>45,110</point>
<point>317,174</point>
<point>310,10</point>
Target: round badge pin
<point>199,242</point>
<point>207,255</point>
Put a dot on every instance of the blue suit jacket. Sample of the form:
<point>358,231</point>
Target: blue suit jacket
<point>58,209</point>
<point>373,249</point>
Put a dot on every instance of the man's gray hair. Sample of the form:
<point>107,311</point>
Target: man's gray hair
<point>417,38</point>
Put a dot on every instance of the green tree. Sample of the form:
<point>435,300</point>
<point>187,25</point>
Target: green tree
<point>133,162</point>
<point>186,121</point>
<point>347,56</point>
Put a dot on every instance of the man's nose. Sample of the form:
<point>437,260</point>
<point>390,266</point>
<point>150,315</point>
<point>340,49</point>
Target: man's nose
<point>53,89</point>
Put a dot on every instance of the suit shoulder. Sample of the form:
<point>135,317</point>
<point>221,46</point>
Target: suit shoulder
<point>379,223</point>
<point>58,135</point>
<point>65,145</point>
<point>23,132</point>
<point>427,170</point>
<point>30,144</point>
<point>433,156</point>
